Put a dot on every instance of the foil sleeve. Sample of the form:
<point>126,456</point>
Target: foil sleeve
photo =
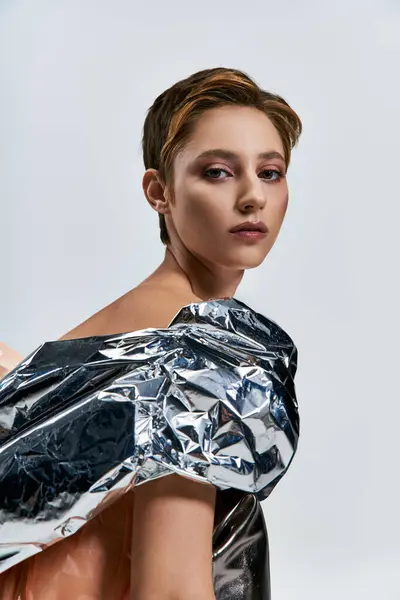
<point>211,397</point>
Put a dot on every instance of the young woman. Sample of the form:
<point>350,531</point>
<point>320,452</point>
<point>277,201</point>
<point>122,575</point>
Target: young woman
<point>216,151</point>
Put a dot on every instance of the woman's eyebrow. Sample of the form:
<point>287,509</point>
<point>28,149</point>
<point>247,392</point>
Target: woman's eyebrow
<point>228,155</point>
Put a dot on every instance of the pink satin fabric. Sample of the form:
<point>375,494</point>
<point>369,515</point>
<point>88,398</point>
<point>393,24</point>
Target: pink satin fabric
<point>92,564</point>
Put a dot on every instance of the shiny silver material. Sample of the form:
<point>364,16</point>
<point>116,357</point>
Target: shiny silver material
<point>211,397</point>
<point>240,549</point>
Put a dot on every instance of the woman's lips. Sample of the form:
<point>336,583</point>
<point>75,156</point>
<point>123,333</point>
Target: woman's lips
<point>249,234</point>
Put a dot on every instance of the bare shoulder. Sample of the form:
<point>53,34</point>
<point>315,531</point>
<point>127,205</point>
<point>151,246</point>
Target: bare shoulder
<point>147,305</point>
<point>9,359</point>
<point>153,305</point>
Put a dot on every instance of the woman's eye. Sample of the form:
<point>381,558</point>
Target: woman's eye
<point>214,172</point>
<point>278,174</point>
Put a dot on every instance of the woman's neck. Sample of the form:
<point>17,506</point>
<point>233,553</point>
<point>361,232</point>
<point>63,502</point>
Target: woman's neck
<point>187,274</point>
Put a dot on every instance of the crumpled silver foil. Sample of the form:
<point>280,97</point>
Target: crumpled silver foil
<point>211,397</point>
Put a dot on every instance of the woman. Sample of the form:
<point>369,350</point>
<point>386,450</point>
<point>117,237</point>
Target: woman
<point>216,150</point>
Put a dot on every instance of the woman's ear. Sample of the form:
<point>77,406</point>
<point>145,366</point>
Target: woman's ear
<point>155,191</point>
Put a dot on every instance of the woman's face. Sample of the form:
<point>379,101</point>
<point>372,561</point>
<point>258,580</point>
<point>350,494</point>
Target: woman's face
<point>221,180</point>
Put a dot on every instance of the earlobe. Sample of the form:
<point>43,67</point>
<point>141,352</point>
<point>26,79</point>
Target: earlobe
<point>154,190</point>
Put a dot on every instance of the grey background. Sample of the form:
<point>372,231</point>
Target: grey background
<point>76,78</point>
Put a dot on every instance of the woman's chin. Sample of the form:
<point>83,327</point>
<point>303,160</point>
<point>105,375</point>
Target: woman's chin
<point>251,258</point>
<point>254,263</point>
<point>242,263</point>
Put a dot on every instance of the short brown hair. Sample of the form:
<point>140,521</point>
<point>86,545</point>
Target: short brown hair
<point>170,120</point>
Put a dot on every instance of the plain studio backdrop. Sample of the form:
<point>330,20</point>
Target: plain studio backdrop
<point>76,80</point>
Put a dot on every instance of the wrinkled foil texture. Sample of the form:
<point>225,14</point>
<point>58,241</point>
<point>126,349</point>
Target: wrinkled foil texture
<point>211,397</point>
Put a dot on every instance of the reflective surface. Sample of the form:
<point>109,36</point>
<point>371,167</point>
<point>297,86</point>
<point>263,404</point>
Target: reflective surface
<point>240,550</point>
<point>211,397</point>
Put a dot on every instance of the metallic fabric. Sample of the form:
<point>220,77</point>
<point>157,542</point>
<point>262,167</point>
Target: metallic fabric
<point>211,397</point>
<point>240,549</point>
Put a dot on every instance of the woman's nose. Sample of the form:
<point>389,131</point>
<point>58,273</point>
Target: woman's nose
<point>253,195</point>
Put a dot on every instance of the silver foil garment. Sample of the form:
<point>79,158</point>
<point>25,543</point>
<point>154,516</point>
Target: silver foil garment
<point>211,398</point>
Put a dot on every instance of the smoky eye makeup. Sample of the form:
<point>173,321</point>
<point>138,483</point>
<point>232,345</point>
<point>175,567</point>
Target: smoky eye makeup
<point>216,167</point>
<point>271,174</point>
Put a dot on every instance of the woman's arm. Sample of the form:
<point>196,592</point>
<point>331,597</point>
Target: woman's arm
<point>171,556</point>
<point>173,518</point>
